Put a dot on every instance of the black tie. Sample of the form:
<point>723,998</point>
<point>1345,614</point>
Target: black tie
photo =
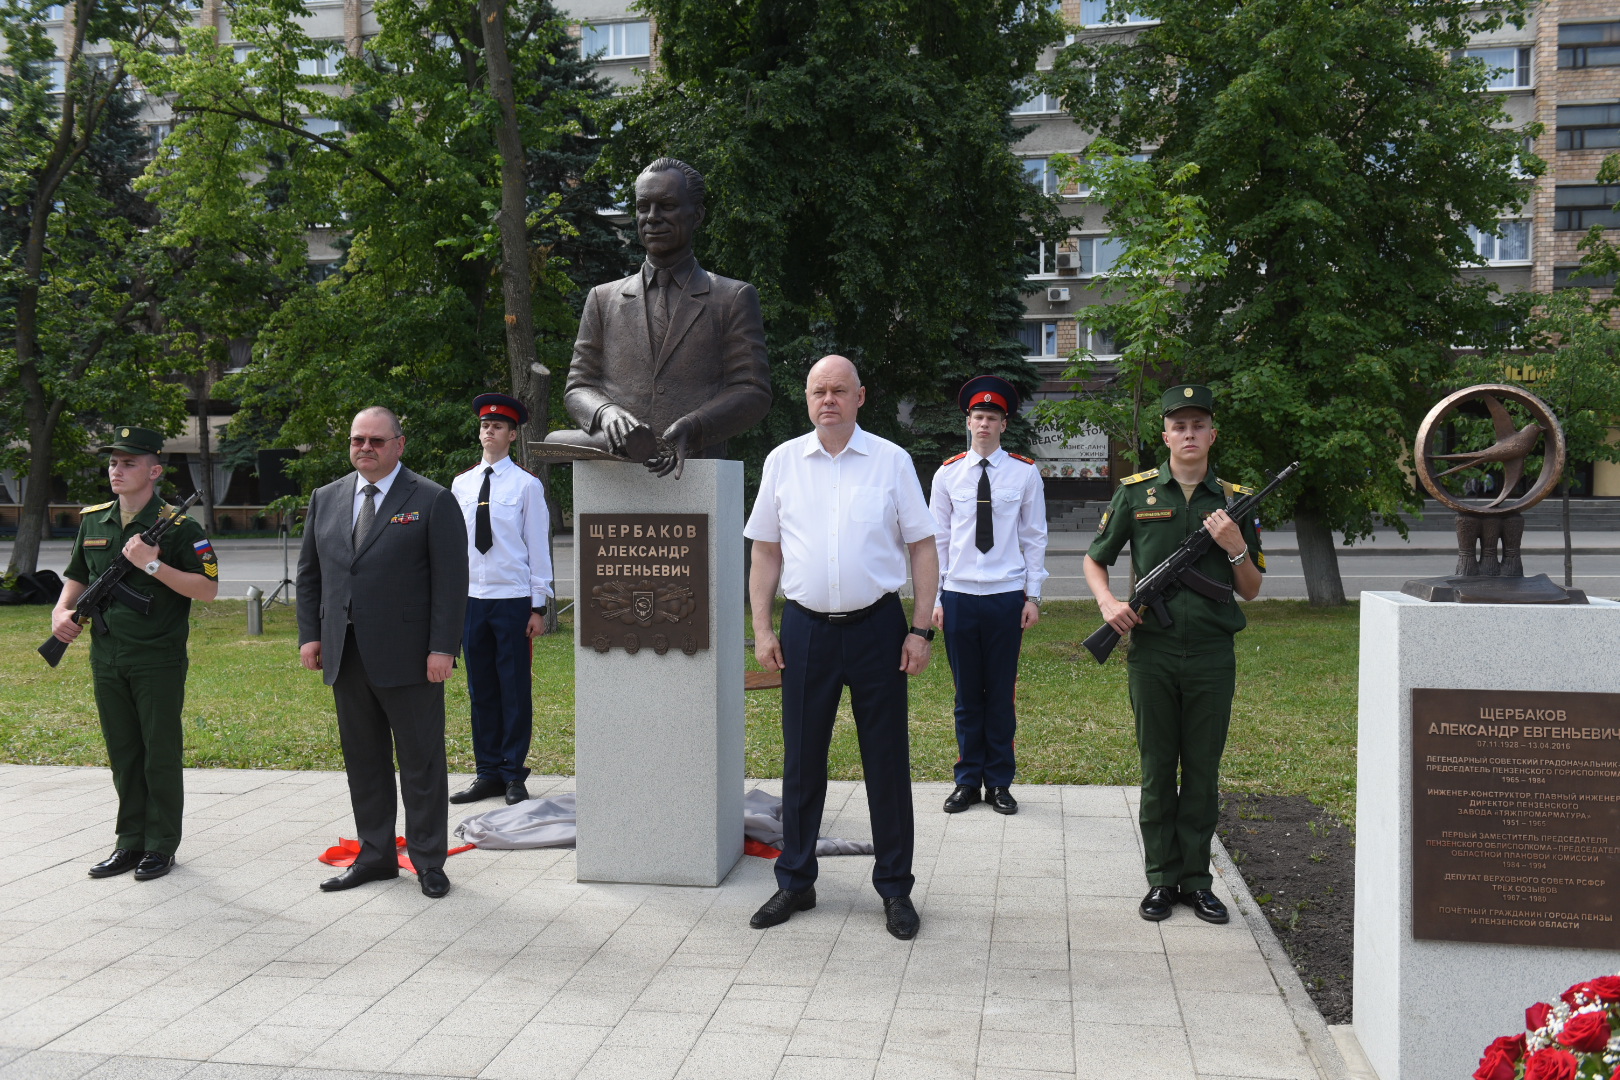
<point>984,537</point>
<point>660,309</point>
<point>368,514</point>
<point>484,535</point>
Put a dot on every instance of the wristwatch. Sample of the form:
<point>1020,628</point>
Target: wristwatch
<point>153,566</point>
<point>1237,560</point>
<point>926,635</point>
<point>1033,600</point>
<point>541,610</point>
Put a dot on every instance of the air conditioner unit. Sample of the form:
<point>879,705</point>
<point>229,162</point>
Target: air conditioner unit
<point>1057,296</point>
<point>1068,260</point>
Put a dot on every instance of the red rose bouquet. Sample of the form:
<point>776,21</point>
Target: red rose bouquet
<point>1576,1039</point>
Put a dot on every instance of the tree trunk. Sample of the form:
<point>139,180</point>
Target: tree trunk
<point>1569,561</point>
<point>1319,560</point>
<point>206,452</point>
<point>539,406</point>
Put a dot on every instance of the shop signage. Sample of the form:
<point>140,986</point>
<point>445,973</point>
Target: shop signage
<point>645,582</point>
<point>1083,457</point>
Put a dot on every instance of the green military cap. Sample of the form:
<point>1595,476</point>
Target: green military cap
<point>133,440</point>
<point>1188,396</point>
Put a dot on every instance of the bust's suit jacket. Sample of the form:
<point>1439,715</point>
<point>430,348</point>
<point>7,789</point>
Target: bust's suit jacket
<point>404,586</point>
<point>712,366</point>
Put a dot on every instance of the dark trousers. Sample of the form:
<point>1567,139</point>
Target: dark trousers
<point>822,658</point>
<point>140,709</point>
<point>500,685</point>
<point>982,638</point>
<point>374,722</point>
<point>1183,707</point>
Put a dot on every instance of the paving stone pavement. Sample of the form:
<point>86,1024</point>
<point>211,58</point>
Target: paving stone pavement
<point>1031,963</point>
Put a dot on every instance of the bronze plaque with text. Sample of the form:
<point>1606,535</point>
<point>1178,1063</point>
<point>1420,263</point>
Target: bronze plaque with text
<point>644,582</point>
<point>1516,817</point>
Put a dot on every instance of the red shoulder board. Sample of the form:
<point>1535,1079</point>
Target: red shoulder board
<point>958,457</point>
<point>1021,457</point>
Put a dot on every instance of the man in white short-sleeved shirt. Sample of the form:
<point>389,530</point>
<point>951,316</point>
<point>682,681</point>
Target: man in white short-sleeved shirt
<point>840,513</point>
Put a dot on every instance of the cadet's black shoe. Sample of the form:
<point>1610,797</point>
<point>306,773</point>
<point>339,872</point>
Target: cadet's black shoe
<point>1001,800</point>
<point>357,875</point>
<point>121,861</point>
<point>780,908</point>
<point>1157,905</point>
<point>1205,905</point>
<point>153,864</point>
<point>963,797</point>
<point>516,793</point>
<point>485,787</point>
<point>900,917</point>
<point>434,883</point>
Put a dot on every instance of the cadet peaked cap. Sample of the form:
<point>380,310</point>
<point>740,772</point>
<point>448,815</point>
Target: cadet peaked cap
<point>1188,396</point>
<point>503,406</point>
<point>133,440</point>
<point>988,392</point>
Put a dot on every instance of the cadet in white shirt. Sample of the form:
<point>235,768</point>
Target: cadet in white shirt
<point>508,587</point>
<point>990,507</point>
<point>839,513</point>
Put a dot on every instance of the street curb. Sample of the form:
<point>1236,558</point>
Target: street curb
<point>1302,1010</point>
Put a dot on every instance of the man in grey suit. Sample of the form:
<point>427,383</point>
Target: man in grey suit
<point>671,354</point>
<point>382,592</point>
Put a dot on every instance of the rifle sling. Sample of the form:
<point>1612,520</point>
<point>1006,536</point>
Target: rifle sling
<point>1204,585</point>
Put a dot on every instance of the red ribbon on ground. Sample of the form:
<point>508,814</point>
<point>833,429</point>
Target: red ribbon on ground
<point>347,851</point>
<point>756,847</point>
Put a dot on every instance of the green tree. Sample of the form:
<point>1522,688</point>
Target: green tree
<point>1343,154</point>
<point>860,175</point>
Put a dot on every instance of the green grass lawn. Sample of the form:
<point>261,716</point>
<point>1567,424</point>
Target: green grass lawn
<point>250,705</point>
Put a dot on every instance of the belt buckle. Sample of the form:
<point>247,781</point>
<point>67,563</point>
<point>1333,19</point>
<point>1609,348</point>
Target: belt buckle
<point>839,616</point>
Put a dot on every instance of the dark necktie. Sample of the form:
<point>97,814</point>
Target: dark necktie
<point>660,309</point>
<point>483,534</point>
<point>368,513</point>
<point>984,536</point>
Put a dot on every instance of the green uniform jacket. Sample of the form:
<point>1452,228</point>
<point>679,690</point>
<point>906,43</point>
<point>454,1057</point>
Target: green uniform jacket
<point>1149,513</point>
<point>133,638</point>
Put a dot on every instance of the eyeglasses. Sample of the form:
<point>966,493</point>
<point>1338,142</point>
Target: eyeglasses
<point>360,441</point>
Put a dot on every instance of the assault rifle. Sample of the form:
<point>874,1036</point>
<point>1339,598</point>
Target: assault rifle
<point>94,601</point>
<point>1181,570</point>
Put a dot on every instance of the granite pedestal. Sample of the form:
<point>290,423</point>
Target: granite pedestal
<point>1427,1009</point>
<point>658,740</point>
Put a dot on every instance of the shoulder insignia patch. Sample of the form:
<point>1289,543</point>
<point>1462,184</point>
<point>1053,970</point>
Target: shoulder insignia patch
<point>1102,522</point>
<point>98,506</point>
<point>958,457</point>
<point>1021,457</point>
<point>1155,515</point>
<point>1151,474</point>
<point>1260,559</point>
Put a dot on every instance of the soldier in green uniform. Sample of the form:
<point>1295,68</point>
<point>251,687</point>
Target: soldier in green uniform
<point>139,664</point>
<point>1182,676</point>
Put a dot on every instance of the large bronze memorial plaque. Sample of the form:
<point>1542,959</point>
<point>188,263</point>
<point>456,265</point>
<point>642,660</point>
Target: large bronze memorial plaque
<point>1516,817</point>
<point>644,582</point>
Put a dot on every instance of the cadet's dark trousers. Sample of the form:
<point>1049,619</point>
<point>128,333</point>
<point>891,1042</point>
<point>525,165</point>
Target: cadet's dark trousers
<point>140,720</point>
<point>822,658</point>
<point>374,722</point>
<point>982,638</point>
<point>1183,706</point>
<point>500,684</point>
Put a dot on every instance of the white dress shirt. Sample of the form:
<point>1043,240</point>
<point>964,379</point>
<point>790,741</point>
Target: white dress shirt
<point>1017,559</point>
<point>382,493</point>
<point>519,562</point>
<point>843,522</point>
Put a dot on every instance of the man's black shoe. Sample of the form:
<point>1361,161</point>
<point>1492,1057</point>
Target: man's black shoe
<point>516,793</point>
<point>900,917</point>
<point>1001,800</point>
<point>357,875</point>
<point>154,864</point>
<point>485,787</point>
<point>434,882</point>
<point>963,797</point>
<point>1206,906</point>
<point>121,861</point>
<point>1159,902</point>
<point>780,908</point>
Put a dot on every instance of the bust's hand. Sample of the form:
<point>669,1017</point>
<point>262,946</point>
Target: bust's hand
<point>617,423</point>
<point>679,436</point>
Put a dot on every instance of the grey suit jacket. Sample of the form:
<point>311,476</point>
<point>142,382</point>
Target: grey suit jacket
<point>404,586</point>
<point>712,366</point>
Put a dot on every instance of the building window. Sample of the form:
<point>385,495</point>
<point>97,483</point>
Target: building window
<point>322,65</point>
<point>1584,45</point>
<point>320,125</point>
<point>1039,339</point>
<point>1040,103</point>
<point>1098,254</point>
<point>55,13</point>
<point>1095,13</point>
<point>1570,277</point>
<point>157,133</point>
<point>1588,127</point>
<point>320,271</point>
<point>1099,342</point>
<point>1578,207</point>
<point>618,41</point>
<point>1509,244</point>
<point>242,53</point>
<point>1505,69</point>
<point>1043,176</point>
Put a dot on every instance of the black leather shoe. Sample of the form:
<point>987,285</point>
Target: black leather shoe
<point>357,875</point>
<point>121,861</point>
<point>434,883</point>
<point>963,797</point>
<point>1001,800</point>
<point>516,793</point>
<point>780,907</point>
<point>485,787</point>
<point>153,864</point>
<point>1206,906</point>
<point>1159,902</point>
<point>900,917</point>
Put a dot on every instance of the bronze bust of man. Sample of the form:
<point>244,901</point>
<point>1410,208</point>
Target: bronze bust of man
<point>670,361</point>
